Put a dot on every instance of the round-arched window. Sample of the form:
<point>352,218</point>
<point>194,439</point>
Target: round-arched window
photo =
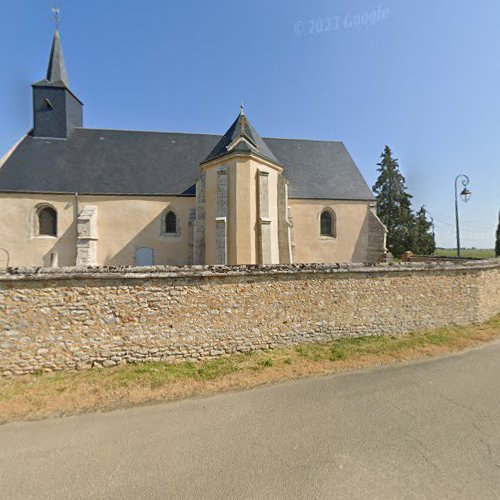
<point>47,221</point>
<point>170,223</point>
<point>328,224</point>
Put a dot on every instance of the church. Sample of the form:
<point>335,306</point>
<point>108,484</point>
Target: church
<point>75,196</point>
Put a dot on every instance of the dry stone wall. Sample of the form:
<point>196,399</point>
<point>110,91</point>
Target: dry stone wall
<point>60,319</point>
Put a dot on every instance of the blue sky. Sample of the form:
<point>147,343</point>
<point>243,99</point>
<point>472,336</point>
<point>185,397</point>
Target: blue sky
<point>421,76</point>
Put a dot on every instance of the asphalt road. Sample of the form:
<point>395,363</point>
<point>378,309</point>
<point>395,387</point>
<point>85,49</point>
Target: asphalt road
<point>424,430</point>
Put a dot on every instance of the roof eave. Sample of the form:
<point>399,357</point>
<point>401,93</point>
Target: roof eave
<point>53,85</point>
<point>235,154</point>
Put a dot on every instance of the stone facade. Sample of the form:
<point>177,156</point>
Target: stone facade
<point>86,243</point>
<point>377,235</point>
<point>221,217</point>
<point>60,319</point>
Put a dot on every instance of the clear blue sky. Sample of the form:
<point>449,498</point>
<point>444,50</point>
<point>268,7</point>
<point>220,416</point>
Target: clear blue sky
<point>423,78</point>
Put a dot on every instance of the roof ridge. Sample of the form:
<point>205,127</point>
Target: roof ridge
<point>204,134</point>
<point>145,131</point>
<point>300,139</point>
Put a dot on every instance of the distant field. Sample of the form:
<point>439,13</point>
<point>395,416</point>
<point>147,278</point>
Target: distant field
<point>475,253</point>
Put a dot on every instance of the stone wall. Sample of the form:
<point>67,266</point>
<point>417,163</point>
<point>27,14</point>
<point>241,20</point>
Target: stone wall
<point>377,234</point>
<point>58,319</point>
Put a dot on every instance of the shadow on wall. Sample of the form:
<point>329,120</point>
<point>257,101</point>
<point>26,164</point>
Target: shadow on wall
<point>63,252</point>
<point>149,244</point>
<point>360,250</point>
<point>166,249</point>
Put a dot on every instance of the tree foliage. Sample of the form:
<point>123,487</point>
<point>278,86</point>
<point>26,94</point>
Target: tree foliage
<point>393,203</point>
<point>423,240</point>
<point>406,230</point>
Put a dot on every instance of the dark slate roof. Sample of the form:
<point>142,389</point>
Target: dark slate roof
<point>319,169</point>
<point>56,72</point>
<point>241,127</point>
<point>97,161</point>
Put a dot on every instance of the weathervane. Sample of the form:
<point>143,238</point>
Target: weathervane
<point>56,11</point>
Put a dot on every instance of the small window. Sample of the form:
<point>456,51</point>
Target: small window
<point>170,223</point>
<point>328,224</point>
<point>47,222</point>
<point>47,105</point>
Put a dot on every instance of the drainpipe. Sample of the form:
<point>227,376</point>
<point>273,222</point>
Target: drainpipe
<point>77,211</point>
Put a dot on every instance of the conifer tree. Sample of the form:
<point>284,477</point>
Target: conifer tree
<point>497,244</point>
<point>394,204</point>
<point>424,242</point>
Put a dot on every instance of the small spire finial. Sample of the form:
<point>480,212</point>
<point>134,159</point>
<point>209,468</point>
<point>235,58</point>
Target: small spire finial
<point>56,11</point>
<point>242,108</point>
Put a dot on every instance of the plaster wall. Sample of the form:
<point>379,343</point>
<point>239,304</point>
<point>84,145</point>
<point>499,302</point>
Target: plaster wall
<point>123,225</point>
<point>242,213</point>
<point>351,241</point>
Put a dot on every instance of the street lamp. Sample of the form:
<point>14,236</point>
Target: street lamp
<point>465,196</point>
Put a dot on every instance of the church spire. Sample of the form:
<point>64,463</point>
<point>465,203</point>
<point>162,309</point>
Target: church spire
<point>56,71</point>
<point>56,110</point>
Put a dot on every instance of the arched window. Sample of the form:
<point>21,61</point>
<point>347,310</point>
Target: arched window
<point>170,223</point>
<point>47,221</point>
<point>328,223</point>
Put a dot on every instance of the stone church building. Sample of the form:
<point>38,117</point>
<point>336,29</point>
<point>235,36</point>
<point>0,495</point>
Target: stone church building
<point>71,195</point>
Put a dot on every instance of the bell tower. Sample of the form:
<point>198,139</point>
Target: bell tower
<point>56,110</point>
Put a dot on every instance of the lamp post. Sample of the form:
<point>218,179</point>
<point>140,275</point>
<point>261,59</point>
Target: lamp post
<point>465,195</point>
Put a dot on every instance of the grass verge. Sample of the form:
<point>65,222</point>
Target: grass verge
<point>40,396</point>
<point>470,253</point>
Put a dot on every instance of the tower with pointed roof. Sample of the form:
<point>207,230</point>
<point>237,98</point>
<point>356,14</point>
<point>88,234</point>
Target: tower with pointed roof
<point>56,110</point>
<point>245,218</point>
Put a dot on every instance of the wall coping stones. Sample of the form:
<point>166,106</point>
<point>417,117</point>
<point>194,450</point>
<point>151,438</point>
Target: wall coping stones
<point>55,319</point>
<point>159,272</point>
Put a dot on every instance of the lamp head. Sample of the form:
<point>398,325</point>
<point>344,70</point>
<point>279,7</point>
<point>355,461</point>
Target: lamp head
<point>465,194</point>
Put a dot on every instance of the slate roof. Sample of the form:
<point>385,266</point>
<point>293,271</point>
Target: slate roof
<point>94,161</point>
<point>241,127</point>
<point>57,74</point>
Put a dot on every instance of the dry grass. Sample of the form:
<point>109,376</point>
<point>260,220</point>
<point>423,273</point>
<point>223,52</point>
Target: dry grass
<point>39,396</point>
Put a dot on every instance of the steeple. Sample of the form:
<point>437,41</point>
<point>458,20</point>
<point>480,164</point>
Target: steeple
<point>56,71</point>
<point>56,110</point>
<point>241,137</point>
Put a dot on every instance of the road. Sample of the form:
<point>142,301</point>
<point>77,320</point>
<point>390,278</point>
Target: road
<point>423,430</point>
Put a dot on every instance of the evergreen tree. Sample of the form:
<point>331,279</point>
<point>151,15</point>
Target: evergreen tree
<point>497,244</point>
<point>394,204</point>
<point>423,240</point>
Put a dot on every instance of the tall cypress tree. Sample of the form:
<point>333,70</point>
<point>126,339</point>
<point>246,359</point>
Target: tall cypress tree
<point>424,242</point>
<point>497,244</point>
<point>394,204</point>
